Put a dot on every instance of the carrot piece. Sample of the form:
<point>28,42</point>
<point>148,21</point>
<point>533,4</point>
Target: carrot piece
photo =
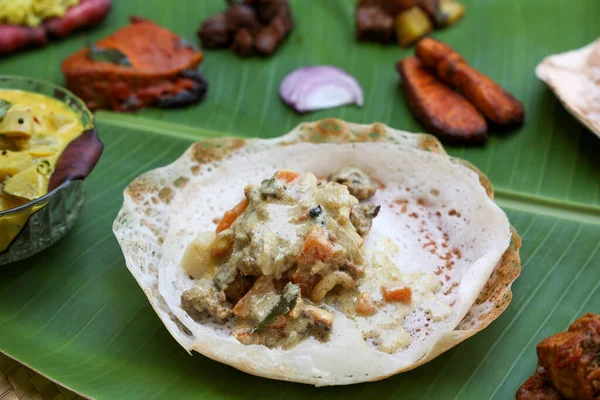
<point>364,304</point>
<point>286,175</point>
<point>398,295</point>
<point>316,246</point>
<point>230,216</point>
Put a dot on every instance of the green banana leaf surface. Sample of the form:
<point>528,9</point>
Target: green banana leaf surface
<point>76,315</point>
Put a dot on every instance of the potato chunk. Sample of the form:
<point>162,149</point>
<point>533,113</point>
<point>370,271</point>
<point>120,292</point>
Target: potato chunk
<point>27,184</point>
<point>197,258</point>
<point>412,25</point>
<point>18,121</point>
<point>11,163</point>
<point>449,13</point>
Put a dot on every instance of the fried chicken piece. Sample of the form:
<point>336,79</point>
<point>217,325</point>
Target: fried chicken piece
<point>496,104</point>
<point>538,387</point>
<point>438,107</point>
<point>571,362</point>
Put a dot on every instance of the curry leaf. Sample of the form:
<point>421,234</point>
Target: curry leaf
<point>185,43</point>
<point>112,56</point>
<point>286,304</point>
<point>4,107</point>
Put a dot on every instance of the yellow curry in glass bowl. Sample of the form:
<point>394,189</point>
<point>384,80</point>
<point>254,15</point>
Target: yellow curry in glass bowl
<point>34,130</point>
<point>48,146</point>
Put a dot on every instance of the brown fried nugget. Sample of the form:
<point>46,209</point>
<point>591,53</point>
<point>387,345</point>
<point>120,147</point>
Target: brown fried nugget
<point>498,106</point>
<point>441,109</point>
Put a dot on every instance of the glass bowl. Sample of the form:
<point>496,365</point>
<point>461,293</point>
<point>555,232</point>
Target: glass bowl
<point>32,227</point>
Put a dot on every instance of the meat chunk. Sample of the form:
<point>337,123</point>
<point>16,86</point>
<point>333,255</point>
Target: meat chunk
<point>570,362</point>
<point>391,7</point>
<point>243,43</point>
<point>438,107</point>
<point>362,216</point>
<point>538,387</point>
<point>374,25</point>
<point>572,359</point>
<point>213,33</point>
<point>358,183</point>
<point>204,297</point>
<point>305,320</point>
<point>160,71</point>
<point>491,99</point>
<point>250,27</point>
<point>258,302</point>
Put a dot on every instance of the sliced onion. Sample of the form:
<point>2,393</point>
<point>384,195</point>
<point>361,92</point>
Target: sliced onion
<point>317,88</point>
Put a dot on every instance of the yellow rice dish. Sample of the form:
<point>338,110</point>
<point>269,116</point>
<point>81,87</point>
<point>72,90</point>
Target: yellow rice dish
<point>33,12</point>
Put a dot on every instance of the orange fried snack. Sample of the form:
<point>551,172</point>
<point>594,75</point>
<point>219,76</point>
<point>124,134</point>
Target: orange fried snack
<point>438,107</point>
<point>162,70</point>
<point>496,104</point>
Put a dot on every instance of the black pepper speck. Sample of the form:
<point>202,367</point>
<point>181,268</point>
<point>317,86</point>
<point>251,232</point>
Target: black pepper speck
<point>315,212</point>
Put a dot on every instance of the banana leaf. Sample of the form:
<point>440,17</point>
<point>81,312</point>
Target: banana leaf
<point>75,314</point>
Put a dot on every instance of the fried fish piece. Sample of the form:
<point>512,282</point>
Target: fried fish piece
<point>160,70</point>
<point>441,109</point>
<point>568,361</point>
<point>498,106</point>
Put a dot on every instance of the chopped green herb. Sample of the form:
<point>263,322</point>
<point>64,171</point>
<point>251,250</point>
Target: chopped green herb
<point>287,302</point>
<point>4,107</point>
<point>112,56</point>
<point>184,43</point>
<point>45,168</point>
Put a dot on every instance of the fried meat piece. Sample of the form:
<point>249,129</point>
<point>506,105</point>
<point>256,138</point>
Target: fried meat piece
<point>251,27</point>
<point>161,70</point>
<point>374,25</point>
<point>438,107</point>
<point>570,362</point>
<point>496,104</point>
<point>538,387</point>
